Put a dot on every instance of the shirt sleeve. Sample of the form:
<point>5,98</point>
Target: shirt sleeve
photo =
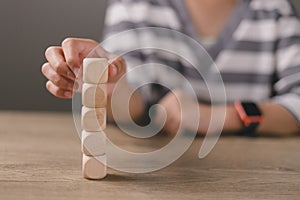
<point>287,84</point>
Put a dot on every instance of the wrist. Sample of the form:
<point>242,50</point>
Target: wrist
<point>233,123</point>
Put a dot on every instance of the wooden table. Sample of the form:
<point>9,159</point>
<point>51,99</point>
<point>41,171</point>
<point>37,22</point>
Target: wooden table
<point>40,158</point>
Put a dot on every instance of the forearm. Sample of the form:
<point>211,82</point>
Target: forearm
<point>118,103</point>
<point>276,121</point>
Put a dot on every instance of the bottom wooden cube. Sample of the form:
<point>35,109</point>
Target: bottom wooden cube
<point>93,144</point>
<point>94,168</point>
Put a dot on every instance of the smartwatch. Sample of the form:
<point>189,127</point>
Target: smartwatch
<point>250,115</point>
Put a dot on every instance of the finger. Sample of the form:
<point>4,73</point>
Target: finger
<point>112,71</point>
<point>55,57</point>
<point>71,51</point>
<point>121,65</point>
<point>58,92</point>
<point>55,78</point>
<point>117,68</point>
<point>75,50</point>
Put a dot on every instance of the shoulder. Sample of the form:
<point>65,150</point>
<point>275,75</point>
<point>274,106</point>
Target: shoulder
<point>142,13</point>
<point>141,7</point>
<point>282,7</point>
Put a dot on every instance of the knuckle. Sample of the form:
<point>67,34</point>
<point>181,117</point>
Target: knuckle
<point>60,82</point>
<point>58,67</point>
<point>48,85</point>
<point>55,79</point>
<point>71,61</point>
<point>53,89</point>
<point>57,92</point>
<point>68,42</point>
<point>45,68</point>
<point>49,51</point>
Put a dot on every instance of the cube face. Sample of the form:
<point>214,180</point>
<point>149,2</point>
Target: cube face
<point>94,168</point>
<point>94,96</point>
<point>95,70</point>
<point>93,143</point>
<point>93,119</point>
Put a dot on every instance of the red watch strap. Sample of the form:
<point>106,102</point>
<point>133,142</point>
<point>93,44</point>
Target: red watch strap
<point>250,122</point>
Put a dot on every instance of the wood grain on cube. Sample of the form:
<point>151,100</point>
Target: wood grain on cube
<point>94,168</point>
<point>93,119</point>
<point>95,70</point>
<point>94,96</point>
<point>93,143</point>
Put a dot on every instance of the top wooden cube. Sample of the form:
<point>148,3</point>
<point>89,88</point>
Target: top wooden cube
<point>95,70</point>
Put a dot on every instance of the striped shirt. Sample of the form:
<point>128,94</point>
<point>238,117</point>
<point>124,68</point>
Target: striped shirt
<point>257,53</point>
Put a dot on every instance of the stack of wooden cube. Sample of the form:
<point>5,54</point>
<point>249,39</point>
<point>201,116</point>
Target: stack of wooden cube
<point>94,100</point>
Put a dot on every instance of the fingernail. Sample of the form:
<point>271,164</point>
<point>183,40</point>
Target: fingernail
<point>68,94</point>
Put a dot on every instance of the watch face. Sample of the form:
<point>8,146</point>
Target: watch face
<point>251,109</point>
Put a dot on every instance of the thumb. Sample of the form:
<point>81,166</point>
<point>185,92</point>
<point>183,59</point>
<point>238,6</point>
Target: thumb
<point>117,68</point>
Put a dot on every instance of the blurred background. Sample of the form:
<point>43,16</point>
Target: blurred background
<point>28,27</point>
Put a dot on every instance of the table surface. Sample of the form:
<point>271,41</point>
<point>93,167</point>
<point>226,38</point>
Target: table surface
<point>40,158</point>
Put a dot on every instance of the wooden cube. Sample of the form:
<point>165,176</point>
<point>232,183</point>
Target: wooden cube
<point>94,96</point>
<point>95,70</point>
<point>94,168</point>
<point>93,119</point>
<point>93,143</point>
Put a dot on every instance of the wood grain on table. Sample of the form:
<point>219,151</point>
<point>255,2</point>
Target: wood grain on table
<point>40,158</point>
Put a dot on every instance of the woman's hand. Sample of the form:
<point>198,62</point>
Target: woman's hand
<point>187,115</point>
<point>64,64</point>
